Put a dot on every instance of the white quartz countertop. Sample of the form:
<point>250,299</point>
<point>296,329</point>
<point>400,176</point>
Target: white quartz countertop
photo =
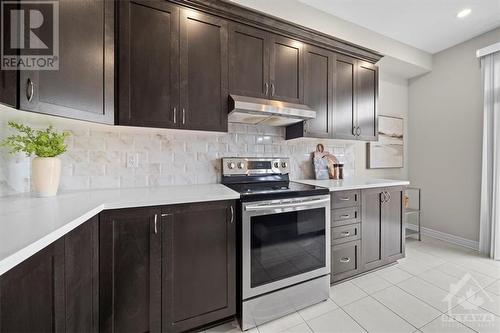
<point>353,183</point>
<point>28,224</point>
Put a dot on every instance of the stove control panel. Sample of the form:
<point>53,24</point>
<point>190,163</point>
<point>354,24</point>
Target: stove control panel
<point>255,166</point>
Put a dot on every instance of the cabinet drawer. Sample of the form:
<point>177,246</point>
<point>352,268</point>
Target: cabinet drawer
<point>346,233</point>
<point>345,199</point>
<point>345,216</point>
<point>345,260</point>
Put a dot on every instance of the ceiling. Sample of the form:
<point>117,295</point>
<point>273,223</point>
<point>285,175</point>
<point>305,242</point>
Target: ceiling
<point>429,25</point>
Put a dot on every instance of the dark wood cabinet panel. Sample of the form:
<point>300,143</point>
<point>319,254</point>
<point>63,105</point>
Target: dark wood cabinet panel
<point>8,87</point>
<point>198,264</point>
<point>32,293</point>
<point>393,225</point>
<point>286,69</point>
<point>148,66</point>
<point>371,228</point>
<point>344,111</point>
<point>81,270</point>
<point>83,86</point>
<point>366,101</point>
<point>203,71</point>
<point>248,61</point>
<point>318,74</point>
<point>130,271</point>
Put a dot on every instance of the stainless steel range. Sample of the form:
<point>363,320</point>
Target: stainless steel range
<point>284,239</point>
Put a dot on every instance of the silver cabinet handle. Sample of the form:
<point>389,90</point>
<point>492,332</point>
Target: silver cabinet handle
<point>266,86</point>
<point>345,259</point>
<point>232,214</point>
<point>345,216</point>
<point>272,89</point>
<point>30,90</point>
<point>388,197</point>
<point>156,223</point>
<point>175,115</point>
<point>183,116</point>
<point>345,233</point>
<point>358,131</point>
<point>344,198</point>
<point>382,197</point>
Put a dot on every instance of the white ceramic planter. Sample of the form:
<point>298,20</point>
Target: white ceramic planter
<point>45,175</point>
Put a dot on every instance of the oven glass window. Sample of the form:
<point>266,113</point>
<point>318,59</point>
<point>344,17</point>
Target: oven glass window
<point>286,244</point>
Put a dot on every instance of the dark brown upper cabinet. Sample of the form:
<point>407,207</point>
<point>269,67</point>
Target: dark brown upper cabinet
<point>56,289</point>
<point>130,270</point>
<point>356,94</point>
<point>248,61</point>
<point>265,65</point>
<point>203,71</point>
<point>366,101</point>
<point>344,110</point>
<point>83,86</point>
<point>319,72</point>
<point>180,82</point>
<point>148,70</point>
<point>286,69</point>
<point>199,264</point>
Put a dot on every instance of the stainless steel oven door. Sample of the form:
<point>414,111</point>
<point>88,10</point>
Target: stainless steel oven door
<point>284,242</point>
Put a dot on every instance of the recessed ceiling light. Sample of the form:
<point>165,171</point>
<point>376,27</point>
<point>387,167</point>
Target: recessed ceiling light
<point>464,12</point>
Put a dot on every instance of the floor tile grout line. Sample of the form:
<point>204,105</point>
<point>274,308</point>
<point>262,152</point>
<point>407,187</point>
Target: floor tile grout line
<point>421,300</point>
<point>376,300</point>
<point>354,319</point>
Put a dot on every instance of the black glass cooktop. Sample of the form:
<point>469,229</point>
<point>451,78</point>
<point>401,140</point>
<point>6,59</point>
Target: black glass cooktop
<point>275,190</point>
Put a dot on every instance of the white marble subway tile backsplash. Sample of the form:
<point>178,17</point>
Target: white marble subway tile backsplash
<point>97,155</point>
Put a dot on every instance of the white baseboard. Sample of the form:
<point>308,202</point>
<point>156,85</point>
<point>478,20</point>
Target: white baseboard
<point>446,237</point>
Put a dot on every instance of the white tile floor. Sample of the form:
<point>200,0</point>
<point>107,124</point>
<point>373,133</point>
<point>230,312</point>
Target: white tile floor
<point>411,296</point>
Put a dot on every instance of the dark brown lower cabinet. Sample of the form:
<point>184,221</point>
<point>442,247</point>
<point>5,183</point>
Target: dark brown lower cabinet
<point>130,270</point>
<point>167,269</point>
<point>55,290</point>
<point>199,265</point>
<point>382,226</point>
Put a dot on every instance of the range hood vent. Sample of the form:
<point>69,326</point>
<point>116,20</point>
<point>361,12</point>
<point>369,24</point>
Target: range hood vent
<point>260,111</point>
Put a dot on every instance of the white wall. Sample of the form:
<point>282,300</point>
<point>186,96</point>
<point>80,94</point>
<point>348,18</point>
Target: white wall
<point>445,137</point>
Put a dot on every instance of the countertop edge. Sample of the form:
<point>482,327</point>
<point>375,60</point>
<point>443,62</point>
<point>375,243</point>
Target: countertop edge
<point>26,252</point>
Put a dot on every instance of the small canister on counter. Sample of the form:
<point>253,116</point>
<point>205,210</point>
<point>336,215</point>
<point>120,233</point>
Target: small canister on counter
<point>340,170</point>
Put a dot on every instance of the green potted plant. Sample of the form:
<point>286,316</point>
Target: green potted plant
<point>46,145</point>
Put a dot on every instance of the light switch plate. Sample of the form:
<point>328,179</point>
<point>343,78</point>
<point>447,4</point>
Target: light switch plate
<point>132,160</point>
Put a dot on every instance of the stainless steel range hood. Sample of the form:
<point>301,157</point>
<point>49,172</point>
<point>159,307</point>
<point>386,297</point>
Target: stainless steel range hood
<point>250,110</point>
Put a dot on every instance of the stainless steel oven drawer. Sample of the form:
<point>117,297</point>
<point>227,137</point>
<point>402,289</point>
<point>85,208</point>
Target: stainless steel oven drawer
<point>345,216</point>
<point>345,233</point>
<point>346,199</point>
<point>346,260</point>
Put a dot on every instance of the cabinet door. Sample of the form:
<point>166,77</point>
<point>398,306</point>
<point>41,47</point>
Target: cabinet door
<point>344,111</point>
<point>81,276</point>
<point>366,99</point>
<point>83,86</point>
<point>32,293</point>
<point>203,71</point>
<point>8,87</point>
<point>371,228</point>
<point>248,61</point>
<point>286,69</point>
<point>198,265</point>
<point>393,225</point>
<point>130,271</point>
<point>148,64</point>
<point>318,91</point>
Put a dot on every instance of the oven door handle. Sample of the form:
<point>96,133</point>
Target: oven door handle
<point>287,205</point>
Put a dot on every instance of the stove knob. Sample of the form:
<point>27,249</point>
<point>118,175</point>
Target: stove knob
<point>284,165</point>
<point>231,165</point>
<point>276,165</point>
<point>241,165</point>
